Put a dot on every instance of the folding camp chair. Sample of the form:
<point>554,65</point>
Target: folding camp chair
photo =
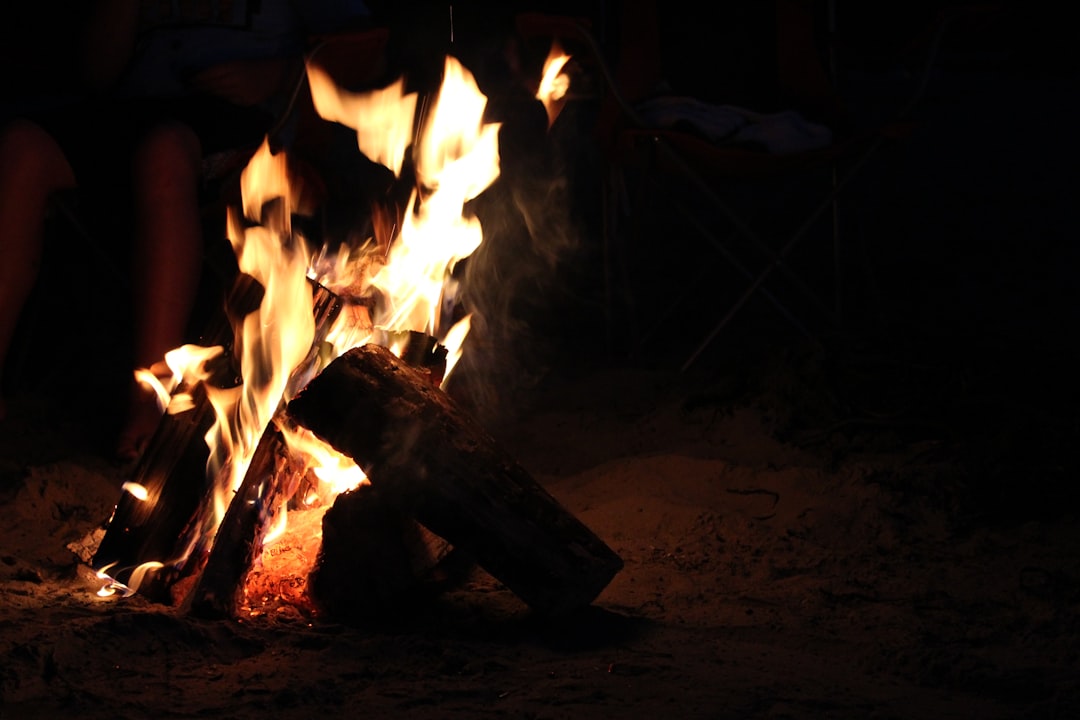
<point>754,208</point>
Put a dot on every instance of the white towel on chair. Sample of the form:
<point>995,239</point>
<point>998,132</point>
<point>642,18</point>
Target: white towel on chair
<point>778,133</point>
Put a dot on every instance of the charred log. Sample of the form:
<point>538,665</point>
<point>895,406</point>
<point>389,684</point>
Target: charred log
<point>269,483</point>
<point>433,462</point>
<point>172,468</point>
<point>375,561</point>
<point>271,479</point>
<point>165,526</point>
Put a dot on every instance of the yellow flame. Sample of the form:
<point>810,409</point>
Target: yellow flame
<point>110,587</point>
<point>191,360</point>
<point>151,381</point>
<point>138,575</point>
<point>554,84</point>
<point>280,522</point>
<point>336,472</point>
<point>114,587</point>
<point>277,336</point>
<point>382,119</point>
<point>456,158</point>
<point>454,343</point>
<point>187,361</point>
<point>139,492</point>
<point>264,179</point>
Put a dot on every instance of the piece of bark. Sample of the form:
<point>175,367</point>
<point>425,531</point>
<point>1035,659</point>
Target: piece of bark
<point>436,463</point>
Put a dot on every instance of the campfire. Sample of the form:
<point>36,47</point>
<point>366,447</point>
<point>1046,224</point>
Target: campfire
<point>308,455</point>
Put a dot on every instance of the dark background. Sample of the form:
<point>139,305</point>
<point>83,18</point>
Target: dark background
<point>960,240</point>
<point>940,579</point>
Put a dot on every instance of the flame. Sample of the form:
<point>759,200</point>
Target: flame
<point>138,575</point>
<point>336,473</point>
<point>456,158</point>
<point>272,340</point>
<point>110,587</point>
<point>393,284</point>
<point>139,492</point>
<point>554,83</point>
<point>280,523</point>
<point>382,119</point>
<point>454,342</point>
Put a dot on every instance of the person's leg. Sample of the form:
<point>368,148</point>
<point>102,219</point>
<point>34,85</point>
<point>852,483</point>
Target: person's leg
<point>166,261</point>
<point>32,167</point>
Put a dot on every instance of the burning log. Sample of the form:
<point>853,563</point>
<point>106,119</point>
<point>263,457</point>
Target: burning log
<point>269,483</point>
<point>433,462</point>
<point>145,525</point>
<point>162,526</point>
<point>375,561</point>
<point>171,470</point>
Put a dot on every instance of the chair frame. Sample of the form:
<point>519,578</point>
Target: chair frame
<point>628,138</point>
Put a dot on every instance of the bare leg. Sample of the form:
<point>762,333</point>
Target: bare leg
<point>166,262</point>
<point>32,167</point>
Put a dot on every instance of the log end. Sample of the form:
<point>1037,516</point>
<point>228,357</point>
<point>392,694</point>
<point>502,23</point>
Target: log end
<point>375,562</point>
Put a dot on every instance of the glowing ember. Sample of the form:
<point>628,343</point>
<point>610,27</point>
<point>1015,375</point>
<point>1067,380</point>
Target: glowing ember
<point>281,574</point>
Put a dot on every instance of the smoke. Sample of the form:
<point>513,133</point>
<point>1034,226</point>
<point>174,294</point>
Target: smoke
<point>529,285</point>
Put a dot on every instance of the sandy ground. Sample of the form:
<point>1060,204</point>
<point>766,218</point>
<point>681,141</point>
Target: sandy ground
<point>778,563</point>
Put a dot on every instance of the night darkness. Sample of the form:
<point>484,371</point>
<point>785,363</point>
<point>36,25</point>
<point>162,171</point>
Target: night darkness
<point>869,517</point>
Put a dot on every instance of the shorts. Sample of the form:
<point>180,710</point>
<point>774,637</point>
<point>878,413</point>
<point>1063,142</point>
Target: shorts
<point>99,138</point>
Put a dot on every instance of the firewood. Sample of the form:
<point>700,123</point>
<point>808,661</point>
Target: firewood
<point>375,562</point>
<point>172,469</point>
<point>434,462</point>
<point>269,483</point>
<point>374,559</point>
<point>168,523</point>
